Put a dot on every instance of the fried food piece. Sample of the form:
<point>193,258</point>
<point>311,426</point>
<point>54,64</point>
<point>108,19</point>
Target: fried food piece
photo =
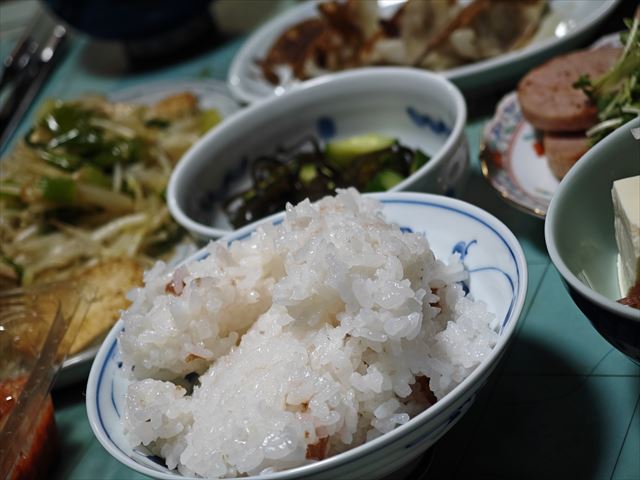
<point>404,37</point>
<point>352,26</point>
<point>436,34</point>
<point>112,279</point>
<point>482,29</point>
<point>89,302</point>
<point>106,283</point>
<point>563,150</point>
<point>336,40</point>
<point>293,47</point>
<point>174,107</point>
<point>423,21</point>
<point>547,97</point>
<point>499,26</point>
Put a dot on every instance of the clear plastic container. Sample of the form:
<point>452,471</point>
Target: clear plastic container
<point>36,332</point>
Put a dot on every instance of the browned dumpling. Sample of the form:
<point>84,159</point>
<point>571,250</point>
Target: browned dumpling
<point>433,34</point>
<point>498,27</point>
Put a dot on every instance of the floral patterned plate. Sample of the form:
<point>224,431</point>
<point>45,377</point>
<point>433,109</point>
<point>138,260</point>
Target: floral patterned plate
<point>513,160</point>
<point>512,156</point>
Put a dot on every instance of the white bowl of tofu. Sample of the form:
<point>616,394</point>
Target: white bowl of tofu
<point>592,231</point>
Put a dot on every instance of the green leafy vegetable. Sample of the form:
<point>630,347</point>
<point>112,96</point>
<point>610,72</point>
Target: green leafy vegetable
<point>88,183</point>
<point>75,140</point>
<point>94,176</point>
<point>65,117</point>
<point>65,161</point>
<point>118,151</point>
<point>58,189</point>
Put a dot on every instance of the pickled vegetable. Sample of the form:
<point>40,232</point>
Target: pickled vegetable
<point>369,162</point>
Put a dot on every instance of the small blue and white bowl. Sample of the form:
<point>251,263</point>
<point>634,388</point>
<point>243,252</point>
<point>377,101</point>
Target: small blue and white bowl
<point>421,109</point>
<point>497,276</point>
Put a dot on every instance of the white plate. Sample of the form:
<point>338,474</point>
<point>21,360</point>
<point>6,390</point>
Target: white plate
<point>563,27</point>
<point>498,276</point>
<point>211,94</point>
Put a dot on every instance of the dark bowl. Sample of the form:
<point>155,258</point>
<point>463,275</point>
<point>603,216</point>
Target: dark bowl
<point>580,237</point>
<point>129,20</point>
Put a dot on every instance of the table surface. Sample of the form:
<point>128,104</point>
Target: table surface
<point>562,403</point>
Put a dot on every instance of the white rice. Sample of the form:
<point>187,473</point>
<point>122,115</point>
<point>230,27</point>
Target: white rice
<point>311,332</point>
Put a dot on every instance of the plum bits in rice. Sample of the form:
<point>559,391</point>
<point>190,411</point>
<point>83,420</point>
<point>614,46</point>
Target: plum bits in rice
<point>309,338</point>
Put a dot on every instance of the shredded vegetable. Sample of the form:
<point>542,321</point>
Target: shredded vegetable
<point>617,92</point>
<point>87,183</point>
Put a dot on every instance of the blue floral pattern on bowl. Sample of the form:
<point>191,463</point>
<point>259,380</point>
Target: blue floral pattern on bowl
<point>326,128</point>
<point>427,121</point>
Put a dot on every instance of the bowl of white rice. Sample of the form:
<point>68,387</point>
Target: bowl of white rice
<point>338,339</point>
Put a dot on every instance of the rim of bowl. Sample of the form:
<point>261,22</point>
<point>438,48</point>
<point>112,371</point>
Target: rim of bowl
<point>325,82</point>
<point>552,218</point>
<point>482,370</point>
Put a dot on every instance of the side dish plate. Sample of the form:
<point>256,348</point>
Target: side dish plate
<point>563,27</point>
<point>512,155</point>
<point>211,94</point>
<point>513,161</point>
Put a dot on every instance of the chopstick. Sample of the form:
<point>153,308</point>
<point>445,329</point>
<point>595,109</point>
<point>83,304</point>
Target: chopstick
<point>29,79</point>
<point>21,55</point>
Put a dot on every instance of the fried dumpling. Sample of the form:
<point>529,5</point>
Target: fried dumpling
<point>497,27</point>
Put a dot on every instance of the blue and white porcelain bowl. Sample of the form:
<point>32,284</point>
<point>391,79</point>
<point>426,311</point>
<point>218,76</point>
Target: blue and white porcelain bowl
<point>421,109</point>
<point>497,275</point>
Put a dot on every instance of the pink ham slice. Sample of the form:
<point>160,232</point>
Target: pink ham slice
<point>547,97</point>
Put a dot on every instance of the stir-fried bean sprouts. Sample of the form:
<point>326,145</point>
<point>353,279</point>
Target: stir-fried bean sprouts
<point>87,183</point>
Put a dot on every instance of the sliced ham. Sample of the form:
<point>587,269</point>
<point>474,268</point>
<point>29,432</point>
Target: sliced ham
<point>547,97</point>
<point>563,150</point>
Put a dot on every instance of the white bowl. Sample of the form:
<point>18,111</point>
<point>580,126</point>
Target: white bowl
<point>421,109</point>
<point>498,276</point>
<point>566,25</point>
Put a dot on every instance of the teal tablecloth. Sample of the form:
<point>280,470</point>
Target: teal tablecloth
<point>562,403</point>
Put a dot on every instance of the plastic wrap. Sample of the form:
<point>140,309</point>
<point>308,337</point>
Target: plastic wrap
<point>36,332</point>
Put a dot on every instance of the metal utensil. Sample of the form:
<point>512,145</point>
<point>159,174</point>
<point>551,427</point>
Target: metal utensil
<point>28,81</point>
<point>21,55</point>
